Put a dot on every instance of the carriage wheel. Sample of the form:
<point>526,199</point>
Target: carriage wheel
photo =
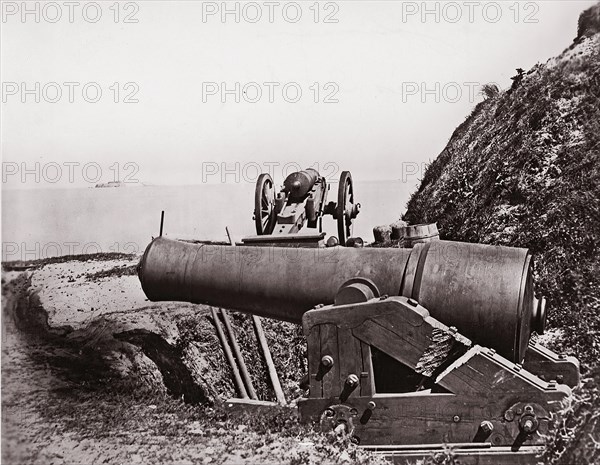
<point>346,209</point>
<point>264,205</point>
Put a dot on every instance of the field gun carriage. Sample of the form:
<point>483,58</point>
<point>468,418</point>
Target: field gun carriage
<point>409,349</point>
<point>302,201</point>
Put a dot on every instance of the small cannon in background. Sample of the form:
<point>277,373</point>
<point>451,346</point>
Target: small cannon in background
<point>408,349</point>
<point>302,199</point>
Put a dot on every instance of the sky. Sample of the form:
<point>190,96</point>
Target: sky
<point>181,93</point>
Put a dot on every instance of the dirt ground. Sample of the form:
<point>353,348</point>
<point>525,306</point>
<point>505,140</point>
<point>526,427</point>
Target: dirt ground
<point>94,373</point>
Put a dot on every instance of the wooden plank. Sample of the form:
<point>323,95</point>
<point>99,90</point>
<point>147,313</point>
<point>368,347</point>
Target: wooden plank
<point>367,383</point>
<point>313,343</point>
<point>548,365</point>
<point>329,346</point>
<point>253,407</point>
<point>407,350</point>
<point>260,334</point>
<point>350,358</point>
<point>465,455</point>
<point>348,316</point>
<point>228,355</point>
<point>488,375</point>
<point>238,356</point>
<point>421,418</point>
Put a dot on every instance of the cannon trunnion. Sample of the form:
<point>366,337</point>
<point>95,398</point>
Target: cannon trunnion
<point>408,349</point>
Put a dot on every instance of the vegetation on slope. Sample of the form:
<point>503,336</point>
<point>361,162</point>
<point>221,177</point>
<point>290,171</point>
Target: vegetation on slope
<point>524,170</point>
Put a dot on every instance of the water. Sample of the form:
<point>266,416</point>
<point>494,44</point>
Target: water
<point>40,223</point>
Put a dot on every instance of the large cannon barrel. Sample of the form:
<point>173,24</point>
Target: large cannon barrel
<point>298,184</point>
<point>486,292</point>
<point>276,282</point>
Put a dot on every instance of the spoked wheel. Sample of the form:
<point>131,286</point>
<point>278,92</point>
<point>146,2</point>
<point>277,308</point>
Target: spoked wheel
<point>346,209</point>
<point>264,205</point>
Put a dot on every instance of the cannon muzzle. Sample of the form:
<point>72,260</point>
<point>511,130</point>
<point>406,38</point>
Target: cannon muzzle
<point>298,184</point>
<point>486,292</point>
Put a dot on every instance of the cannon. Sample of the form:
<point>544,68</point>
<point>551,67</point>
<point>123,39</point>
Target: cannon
<point>408,349</point>
<point>301,201</point>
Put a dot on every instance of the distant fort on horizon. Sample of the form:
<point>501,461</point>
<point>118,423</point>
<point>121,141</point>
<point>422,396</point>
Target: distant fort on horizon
<point>110,184</point>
